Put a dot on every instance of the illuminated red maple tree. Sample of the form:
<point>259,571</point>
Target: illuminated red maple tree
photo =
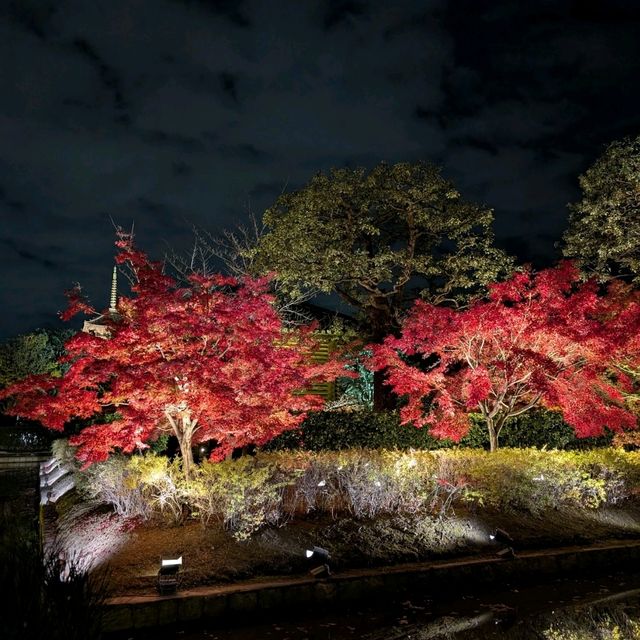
<point>623,314</point>
<point>206,361</point>
<point>542,339</point>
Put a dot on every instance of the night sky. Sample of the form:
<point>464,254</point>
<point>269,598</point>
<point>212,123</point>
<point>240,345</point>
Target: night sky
<point>169,113</point>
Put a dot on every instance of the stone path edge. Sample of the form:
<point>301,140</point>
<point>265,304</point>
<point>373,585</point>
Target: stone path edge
<point>217,602</point>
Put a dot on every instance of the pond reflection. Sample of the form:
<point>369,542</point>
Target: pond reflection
<point>606,608</point>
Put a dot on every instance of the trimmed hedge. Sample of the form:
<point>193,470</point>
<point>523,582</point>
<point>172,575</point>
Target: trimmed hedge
<point>537,428</point>
<point>335,431</point>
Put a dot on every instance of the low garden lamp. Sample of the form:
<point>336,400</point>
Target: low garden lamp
<point>322,558</point>
<point>500,535</point>
<point>503,537</point>
<point>168,575</point>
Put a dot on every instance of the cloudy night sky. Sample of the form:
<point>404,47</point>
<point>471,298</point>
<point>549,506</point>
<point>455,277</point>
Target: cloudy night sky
<point>170,113</point>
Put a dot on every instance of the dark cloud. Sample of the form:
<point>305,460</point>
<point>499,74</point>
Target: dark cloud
<point>268,191</point>
<point>34,16</point>
<point>232,10</point>
<point>26,254</point>
<point>228,84</point>
<point>10,203</point>
<point>245,152</point>
<point>168,113</point>
<point>183,143</point>
<point>342,12</point>
<point>108,76</point>
<point>181,168</point>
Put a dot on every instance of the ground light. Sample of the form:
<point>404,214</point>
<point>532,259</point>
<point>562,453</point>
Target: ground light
<point>500,535</point>
<point>503,537</point>
<point>321,556</point>
<point>168,575</point>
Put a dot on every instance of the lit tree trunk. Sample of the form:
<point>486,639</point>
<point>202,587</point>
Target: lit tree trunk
<point>187,456</point>
<point>494,426</point>
<point>183,428</point>
<point>493,436</point>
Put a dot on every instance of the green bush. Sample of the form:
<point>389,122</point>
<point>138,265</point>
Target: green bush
<point>338,430</point>
<point>137,486</point>
<point>536,428</point>
<point>245,494</point>
<point>534,480</point>
<point>269,488</point>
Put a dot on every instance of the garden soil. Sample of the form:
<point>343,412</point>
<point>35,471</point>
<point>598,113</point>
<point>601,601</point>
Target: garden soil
<point>130,550</point>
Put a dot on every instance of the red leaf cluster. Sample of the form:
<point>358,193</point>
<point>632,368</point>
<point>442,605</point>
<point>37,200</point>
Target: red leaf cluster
<point>76,303</point>
<point>544,339</point>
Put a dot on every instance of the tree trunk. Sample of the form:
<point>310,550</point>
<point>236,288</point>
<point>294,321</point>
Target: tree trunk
<point>183,428</point>
<point>493,435</point>
<point>187,455</point>
<point>494,427</point>
<point>383,397</point>
<point>381,325</point>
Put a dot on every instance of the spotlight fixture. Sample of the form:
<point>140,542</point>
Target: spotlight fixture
<point>318,553</point>
<point>500,535</point>
<point>321,556</point>
<point>168,575</point>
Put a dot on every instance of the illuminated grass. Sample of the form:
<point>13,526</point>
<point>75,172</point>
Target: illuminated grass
<point>270,489</point>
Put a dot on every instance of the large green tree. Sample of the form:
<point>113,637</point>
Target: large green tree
<point>32,353</point>
<point>604,226</point>
<point>380,239</point>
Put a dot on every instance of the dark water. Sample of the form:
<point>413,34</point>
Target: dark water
<point>19,492</point>
<point>567,609</point>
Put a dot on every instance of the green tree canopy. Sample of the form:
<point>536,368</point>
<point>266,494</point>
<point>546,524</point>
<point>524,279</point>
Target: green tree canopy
<point>378,239</point>
<point>32,353</point>
<point>604,227</point>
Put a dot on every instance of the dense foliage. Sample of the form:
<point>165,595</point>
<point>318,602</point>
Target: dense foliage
<point>208,361</point>
<point>377,237</point>
<point>248,493</point>
<point>339,430</point>
<point>539,340</point>
<point>32,353</point>
<point>604,227</point>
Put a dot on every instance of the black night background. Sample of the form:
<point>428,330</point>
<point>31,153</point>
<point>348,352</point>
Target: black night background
<point>172,113</point>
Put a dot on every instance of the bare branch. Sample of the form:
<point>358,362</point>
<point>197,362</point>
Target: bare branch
<point>232,252</point>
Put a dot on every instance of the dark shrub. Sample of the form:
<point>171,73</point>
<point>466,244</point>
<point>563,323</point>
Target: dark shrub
<point>382,430</point>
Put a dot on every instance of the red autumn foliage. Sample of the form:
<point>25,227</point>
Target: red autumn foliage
<point>543,339</point>
<point>204,361</point>
<point>76,303</point>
